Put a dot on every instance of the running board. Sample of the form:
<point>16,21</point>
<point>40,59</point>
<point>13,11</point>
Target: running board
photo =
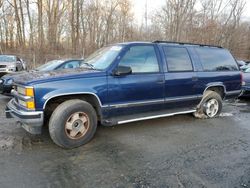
<point>155,116</point>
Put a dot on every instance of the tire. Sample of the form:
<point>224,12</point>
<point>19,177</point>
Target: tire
<point>210,106</point>
<point>72,124</point>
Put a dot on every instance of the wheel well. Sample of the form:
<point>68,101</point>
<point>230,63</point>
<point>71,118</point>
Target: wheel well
<point>52,104</point>
<point>218,89</point>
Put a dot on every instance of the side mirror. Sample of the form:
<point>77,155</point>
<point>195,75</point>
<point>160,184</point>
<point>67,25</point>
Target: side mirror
<point>122,71</point>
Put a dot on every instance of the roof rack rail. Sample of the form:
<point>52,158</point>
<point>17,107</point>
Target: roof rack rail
<point>187,43</point>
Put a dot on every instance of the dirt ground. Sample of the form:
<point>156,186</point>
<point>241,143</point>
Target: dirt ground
<point>178,151</point>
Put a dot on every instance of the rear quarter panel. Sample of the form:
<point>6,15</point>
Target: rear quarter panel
<point>230,80</point>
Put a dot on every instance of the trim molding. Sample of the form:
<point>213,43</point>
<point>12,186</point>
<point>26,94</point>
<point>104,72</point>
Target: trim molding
<point>157,101</point>
<point>137,103</point>
<point>183,98</point>
<point>233,92</point>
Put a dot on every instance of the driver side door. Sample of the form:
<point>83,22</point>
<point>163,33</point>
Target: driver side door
<point>140,91</point>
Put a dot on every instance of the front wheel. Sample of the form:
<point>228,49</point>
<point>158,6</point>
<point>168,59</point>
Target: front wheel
<point>210,106</point>
<point>73,123</point>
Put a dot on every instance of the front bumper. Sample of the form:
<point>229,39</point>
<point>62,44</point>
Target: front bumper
<point>7,71</point>
<point>31,121</point>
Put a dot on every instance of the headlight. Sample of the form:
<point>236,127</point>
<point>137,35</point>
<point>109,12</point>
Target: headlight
<point>27,91</point>
<point>1,81</point>
<point>27,99</point>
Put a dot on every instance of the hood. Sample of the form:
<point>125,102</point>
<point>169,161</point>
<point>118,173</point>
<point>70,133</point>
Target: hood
<point>12,75</point>
<point>40,77</point>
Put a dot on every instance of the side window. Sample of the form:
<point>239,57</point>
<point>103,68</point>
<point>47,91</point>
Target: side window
<point>178,59</point>
<point>141,59</point>
<point>216,59</point>
<point>70,65</point>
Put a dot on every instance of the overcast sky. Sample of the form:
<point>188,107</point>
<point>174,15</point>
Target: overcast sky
<point>139,8</point>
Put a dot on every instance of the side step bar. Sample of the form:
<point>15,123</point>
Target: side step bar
<point>155,116</point>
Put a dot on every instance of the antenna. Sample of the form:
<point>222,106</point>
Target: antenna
<point>146,15</point>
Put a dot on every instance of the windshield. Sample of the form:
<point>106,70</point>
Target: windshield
<point>51,65</point>
<point>102,58</point>
<point>7,58</point>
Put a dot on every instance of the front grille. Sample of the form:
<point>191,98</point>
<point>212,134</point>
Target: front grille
<point>3,66</point>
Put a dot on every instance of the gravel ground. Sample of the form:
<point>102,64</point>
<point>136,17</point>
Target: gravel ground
<point>178,151</point>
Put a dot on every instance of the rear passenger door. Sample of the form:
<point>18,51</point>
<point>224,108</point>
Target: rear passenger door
<point>180,79</point>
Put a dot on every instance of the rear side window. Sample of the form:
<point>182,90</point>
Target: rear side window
<point>178,59</point>
<point>216,59</point>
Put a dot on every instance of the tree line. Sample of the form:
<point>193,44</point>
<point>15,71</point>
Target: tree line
<point>45,29</point>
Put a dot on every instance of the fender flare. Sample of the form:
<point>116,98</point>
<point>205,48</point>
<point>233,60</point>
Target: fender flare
<point>75,93</point>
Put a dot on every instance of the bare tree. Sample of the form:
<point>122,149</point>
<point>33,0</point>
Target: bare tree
<point>46,29</point>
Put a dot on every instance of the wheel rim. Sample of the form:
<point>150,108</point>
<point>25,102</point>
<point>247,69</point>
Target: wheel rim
<point>212,107</point>
<point>77,125</point>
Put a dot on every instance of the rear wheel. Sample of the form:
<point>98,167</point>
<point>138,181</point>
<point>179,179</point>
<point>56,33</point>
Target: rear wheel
<point>210,106</point>
<point>73,123</point>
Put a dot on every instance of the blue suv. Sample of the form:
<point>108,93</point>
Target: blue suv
<point>123,83</point>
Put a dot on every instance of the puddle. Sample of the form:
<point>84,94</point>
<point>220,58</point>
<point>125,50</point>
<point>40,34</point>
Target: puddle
<point>7,142</point>
<point>19,143</point>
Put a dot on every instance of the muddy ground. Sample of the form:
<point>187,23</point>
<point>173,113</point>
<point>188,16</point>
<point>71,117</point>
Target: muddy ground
<point>177,151</point>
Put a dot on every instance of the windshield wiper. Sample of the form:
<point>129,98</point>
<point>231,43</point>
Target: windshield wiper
<point>89,65</point>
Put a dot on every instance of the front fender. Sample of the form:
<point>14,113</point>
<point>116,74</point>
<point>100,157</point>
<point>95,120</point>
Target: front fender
<point>94,86</point>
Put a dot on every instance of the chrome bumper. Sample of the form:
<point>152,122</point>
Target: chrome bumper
<point>5,70</point>
<point>31,121</point>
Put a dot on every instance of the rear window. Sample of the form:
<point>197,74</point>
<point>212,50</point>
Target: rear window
<point>216,59</point>
<point>178,59</point>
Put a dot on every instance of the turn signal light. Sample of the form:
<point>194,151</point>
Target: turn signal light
<point>29,92</point>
